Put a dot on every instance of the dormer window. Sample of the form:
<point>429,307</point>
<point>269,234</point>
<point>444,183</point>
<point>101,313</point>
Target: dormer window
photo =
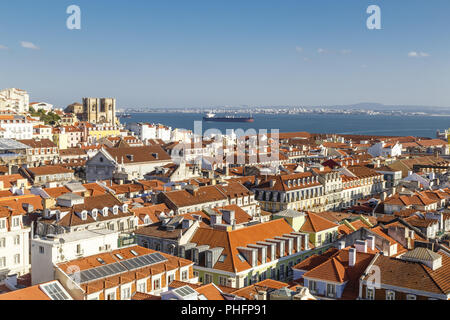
<point>94,214</point>
<point>115,210</point>
<point>84,215</point>
<point>124,208</point>
<point>105,212</point>
<point>2,223</point>
<point>16,222</point>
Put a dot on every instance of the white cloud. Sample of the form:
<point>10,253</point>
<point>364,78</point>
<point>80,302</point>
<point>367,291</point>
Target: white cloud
<point>29,45</point>
<point>320,50</point>
<point>3,47</point>
<point>305,59</point>
<point>346,51</point>
<point>415,54</point>
<point>299,49</point>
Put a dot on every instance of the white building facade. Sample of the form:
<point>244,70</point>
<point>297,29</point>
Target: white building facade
<point>14,246</point>
<point>49,250</point>
<point>16,127</point>
<point>13,99</point>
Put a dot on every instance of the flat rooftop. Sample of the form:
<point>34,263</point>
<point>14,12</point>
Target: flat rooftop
<point>78,235</point>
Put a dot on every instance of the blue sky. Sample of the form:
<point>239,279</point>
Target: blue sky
<point>207,53</point>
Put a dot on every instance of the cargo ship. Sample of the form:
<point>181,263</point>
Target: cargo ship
<point>212,117</point>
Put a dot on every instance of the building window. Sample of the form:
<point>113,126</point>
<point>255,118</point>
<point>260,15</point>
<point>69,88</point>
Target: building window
<point>208,278</point>
<point>41,249</point>
<point>390,295</point>
<point>17,258</point>
<point>370,294</point>
<point>331,290</point>
<point>223,281</point>
<point>111,296</point>
<point>184,275</point>
<point>312,286</point>
<point>142,287</point>
<point>157,284</point>
<point>17,240</point>
<point>2,262</point>
<point>170,278</point>
<point>126,293</point>
<point>2,224</point>
<point>2,242</point>
<point>411,297</point>
<point>281,273</point>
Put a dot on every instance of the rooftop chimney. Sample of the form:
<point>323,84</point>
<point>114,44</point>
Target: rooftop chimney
<point>306,241</point>
<point>341,245</point>
<point>216,219</point>
<point>229,216</point>
<point>371,242</point>
<point>11,282</point>
<point>262,295</point>
<point>186,223</point>
<point>352,257</point>
<point>361,245</point>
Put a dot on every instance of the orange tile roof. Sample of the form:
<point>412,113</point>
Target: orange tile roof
<point>29,293</point>
<point>251,291</point>
<point>315,223</point>
<point>231,240</point>
<point>337,269</point>
<point>211,292</point>
<point>152,212</point>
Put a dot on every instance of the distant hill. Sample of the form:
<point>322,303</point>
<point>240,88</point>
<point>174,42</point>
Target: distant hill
<point>383,107</point>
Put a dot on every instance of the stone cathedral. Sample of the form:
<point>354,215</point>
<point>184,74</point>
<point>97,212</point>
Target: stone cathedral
<point>99,110</point>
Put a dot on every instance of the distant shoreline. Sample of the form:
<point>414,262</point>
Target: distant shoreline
<point>396,114</point>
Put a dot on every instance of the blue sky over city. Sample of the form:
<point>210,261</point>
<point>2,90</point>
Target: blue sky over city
<point>212,53</point>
